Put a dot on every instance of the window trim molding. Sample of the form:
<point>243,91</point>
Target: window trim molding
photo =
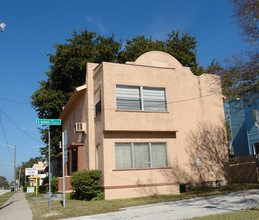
<point>118,110</point>
<point>136,169</point>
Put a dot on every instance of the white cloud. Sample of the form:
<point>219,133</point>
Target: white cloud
<point>28,129</point>
<point>171,17</point>
<point>96,22</point>
<point>4,162</point>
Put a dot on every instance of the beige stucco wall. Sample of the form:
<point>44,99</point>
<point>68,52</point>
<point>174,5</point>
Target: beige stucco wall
<point>75,114</point>
<point>133,180</point>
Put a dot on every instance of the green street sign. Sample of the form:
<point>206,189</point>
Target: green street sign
<point>48,122</point>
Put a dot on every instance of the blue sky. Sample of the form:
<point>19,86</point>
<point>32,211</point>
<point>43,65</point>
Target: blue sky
<point>33,27</point>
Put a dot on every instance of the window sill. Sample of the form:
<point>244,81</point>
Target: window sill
<point>117,110</point>
<point>131,169</point>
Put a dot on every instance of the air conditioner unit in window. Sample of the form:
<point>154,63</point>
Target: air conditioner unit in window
<point>80,127</point>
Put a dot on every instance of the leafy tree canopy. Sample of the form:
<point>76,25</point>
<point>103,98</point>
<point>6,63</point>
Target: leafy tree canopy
<point>3,181</point>
<point>180,46</point>
<point>68,68</point>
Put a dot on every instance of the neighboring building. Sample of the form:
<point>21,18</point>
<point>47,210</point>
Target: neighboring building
<point>148,125</point>
<point>40,166</point>
<point>245,133</point>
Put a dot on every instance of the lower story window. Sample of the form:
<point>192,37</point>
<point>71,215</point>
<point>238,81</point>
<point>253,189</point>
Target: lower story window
<point>140,155</point>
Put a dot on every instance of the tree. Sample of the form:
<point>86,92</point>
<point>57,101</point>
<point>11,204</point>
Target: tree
<point>3,182</point>
<point>137,46</point>
<point>247,15</point>
<point>67,71</point>
<point>183,48</point>
<point>68,68</point>
<point>240,76</point>
<point>180,46</point>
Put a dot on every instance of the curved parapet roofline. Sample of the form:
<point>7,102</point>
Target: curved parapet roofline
<point>164,60</point>
<point>159,59</point>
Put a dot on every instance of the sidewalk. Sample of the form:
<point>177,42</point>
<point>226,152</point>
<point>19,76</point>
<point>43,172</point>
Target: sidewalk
<point>17,207</point>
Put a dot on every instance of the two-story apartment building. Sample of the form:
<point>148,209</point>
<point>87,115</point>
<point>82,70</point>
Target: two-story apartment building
<point>147,125</point>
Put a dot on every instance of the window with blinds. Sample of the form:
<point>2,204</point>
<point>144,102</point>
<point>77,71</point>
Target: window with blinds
<point>140,155</point>
<point>141,98</point>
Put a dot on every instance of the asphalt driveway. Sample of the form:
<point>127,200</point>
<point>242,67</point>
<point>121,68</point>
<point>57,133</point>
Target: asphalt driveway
<point>185,209</point>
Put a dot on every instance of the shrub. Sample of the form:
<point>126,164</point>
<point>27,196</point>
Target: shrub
<point>54,185</point>
<point>42,189</point>
<point>86,184</point>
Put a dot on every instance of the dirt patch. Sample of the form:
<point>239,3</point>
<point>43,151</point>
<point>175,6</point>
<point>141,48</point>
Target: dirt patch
<point>51,214</point>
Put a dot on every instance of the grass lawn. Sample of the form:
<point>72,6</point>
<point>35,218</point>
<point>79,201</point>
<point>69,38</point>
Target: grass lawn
<point>80,208</point>
<point>5,197</point>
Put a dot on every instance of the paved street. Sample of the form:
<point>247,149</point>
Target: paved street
<point>17,207</point>
<point>185,209</point>
<point>2,191</point>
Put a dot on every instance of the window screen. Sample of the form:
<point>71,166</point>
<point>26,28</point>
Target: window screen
<point>159,158</point>
<point>140,155</point>
<point>154,99</point>
<point>123,156</point>
<point>140,98</point>
<point>128,97</point>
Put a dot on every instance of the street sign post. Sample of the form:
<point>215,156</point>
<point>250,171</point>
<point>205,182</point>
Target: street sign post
<point>49,122</point>
<point>64,160</point>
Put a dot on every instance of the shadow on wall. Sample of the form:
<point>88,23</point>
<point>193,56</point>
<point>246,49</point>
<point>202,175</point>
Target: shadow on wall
<point>207,163</point>
<point>207,153</point>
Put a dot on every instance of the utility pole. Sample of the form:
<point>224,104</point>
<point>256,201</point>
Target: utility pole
<point>20,177</point>
<point>14,161</point>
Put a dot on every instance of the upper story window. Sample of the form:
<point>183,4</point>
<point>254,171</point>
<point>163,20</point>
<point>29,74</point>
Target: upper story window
<point>139,98</point>
<point>98,101</point>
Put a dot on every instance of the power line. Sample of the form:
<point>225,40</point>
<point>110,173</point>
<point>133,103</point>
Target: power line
<point>17,102</point>
<point>20,127</point>
<point>172,102</point>
<point>5,137</point>
<point>168,103</point>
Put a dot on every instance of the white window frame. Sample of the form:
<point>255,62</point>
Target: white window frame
<point>97,157</point>
<point>141,96</point>
<point>150,162</point>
